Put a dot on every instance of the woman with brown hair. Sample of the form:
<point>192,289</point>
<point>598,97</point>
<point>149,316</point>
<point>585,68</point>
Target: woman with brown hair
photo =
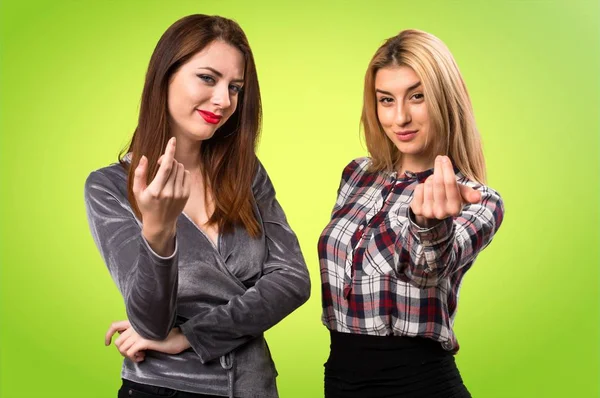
<point>189,226</point>
<point>408,222</point>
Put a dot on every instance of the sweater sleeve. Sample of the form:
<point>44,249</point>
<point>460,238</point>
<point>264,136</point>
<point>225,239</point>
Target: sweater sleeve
<point>147,281</point>
<point>427,255</point>
<point>283,286</point>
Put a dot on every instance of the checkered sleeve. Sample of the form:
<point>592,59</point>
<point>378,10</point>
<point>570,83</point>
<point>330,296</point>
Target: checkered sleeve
<point>426,256</point>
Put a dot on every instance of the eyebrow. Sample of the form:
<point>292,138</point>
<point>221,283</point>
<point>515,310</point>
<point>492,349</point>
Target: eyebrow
<point>417,84</point>
<point>219,74</point>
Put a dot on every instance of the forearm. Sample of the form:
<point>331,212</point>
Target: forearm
<point>217,331</point>
<point>427,254</point>
<point>160,239</point>
<point>150,293</point>
<point>147,280</point>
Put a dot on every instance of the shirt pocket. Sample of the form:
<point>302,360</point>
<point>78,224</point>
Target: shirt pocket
<point>378,258</point>
<point>381,252</point>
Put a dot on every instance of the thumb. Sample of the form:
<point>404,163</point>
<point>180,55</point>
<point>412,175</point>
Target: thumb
<point>469,194</point>
<point>140,176</point>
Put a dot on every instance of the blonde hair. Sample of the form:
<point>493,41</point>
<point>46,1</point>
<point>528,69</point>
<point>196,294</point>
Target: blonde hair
<point>449,107</point>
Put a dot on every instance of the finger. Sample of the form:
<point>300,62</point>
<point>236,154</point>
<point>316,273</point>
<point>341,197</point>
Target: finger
<point>452,193</point>
<point>469,194</point>
<point>178,189</point>
<point>439,190</point>
<point>169,189</point>
<point>124,336</point>
<point>165,169</point>
<point>135,348</point>
<point>127,344</point>
<point>115,327</point>
<point>428,198</point>
<point>139,356</point>
<point>140,175</point>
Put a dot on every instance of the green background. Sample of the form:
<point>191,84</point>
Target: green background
<point>71,75</point>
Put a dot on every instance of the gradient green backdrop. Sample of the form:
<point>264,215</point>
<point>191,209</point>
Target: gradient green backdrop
<point>71,75</point>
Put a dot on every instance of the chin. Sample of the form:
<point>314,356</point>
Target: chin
<point>409,148</point>
<point>202,135</point>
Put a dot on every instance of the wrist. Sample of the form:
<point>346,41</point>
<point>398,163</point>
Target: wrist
<point>182,342</point>
<point>424,222</point>
<point>161,240</point>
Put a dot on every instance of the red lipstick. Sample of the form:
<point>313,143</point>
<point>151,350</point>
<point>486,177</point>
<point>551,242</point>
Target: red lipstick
<point>210,117</point>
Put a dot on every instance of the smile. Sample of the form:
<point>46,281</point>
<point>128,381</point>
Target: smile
<point>406,135</point>
<point>210,117</point>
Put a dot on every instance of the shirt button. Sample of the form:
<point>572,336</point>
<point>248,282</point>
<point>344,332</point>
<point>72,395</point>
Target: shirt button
<point>361,227</point>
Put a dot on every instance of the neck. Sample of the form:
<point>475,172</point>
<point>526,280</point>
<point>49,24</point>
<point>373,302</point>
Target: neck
<point>414,164</point>
<point>187,152</point>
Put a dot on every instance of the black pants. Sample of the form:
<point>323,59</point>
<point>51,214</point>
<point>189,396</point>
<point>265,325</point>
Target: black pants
<point>131,389</point>
<point>361,366</point>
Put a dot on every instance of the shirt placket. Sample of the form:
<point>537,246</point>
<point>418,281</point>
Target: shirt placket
<point>359,240</point>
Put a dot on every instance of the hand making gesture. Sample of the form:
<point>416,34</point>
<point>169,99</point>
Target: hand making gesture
<point>441,196</point>
<point>163,200</point>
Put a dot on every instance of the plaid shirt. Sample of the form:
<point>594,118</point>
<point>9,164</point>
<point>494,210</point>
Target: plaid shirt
<point>381,273</point>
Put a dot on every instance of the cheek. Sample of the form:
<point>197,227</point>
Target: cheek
<point>421,114</point>
<point>384,115</point>
<point>172,106</point>
<point>174,99</point>
<point>234,104</point>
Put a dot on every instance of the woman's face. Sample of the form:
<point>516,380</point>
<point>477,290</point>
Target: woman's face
<point>204,91</point>
<point>402,112</point>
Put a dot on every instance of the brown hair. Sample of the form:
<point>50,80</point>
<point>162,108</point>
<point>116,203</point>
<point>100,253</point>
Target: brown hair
<point>448,104</point>
<point>228,159</point>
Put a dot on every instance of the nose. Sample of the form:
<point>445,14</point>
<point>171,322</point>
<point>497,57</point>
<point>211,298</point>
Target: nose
<point>221,97</point>
<point>403,116</point>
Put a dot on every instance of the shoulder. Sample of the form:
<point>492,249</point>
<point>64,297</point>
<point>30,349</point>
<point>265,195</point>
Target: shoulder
<point>111,179</point>
<point>358,173</point>
<point>261,183</point>
<point>356,168</point>
<point>490,198</point>
<point>358,165</point>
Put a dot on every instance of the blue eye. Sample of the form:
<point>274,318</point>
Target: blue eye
<point>207,79</point>
<point>235,89</point>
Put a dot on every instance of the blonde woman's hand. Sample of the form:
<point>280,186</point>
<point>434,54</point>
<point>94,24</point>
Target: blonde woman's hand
<point>441,196</point>
<point>163,200</point>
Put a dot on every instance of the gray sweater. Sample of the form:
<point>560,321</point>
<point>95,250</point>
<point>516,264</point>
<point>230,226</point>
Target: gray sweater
<point>223,298</point>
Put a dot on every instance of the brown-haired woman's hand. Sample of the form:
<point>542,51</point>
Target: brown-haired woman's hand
<point>163,200</point>
<point>133,346</point>
<point>441,196</point>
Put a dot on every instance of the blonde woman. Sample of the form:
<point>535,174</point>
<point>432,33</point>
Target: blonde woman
<point>409,221</point>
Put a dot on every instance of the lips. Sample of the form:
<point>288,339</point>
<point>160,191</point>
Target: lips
<point>210,117</point>
<point>406,135</point>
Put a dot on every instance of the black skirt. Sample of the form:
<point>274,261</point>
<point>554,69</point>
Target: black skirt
<point>363,366</point>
